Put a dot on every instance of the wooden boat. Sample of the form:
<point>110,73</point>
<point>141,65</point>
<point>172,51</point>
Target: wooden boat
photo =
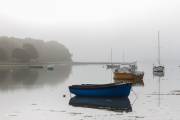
<point>128,72</point>
<point>120,104</point>
<point>101,90</point>
<point>133,76</point>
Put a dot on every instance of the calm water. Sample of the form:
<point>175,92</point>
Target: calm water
<point>43,95</point>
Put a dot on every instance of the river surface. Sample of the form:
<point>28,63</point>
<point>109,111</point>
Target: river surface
<point>38,94</point>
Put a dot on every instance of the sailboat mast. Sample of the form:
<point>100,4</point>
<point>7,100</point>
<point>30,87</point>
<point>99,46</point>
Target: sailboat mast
<point>159,61</point>
<point>123,56</point>
<point>111,56</point>
<point>111,67</point>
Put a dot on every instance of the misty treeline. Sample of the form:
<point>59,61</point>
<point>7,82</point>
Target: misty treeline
<point>32,50</point>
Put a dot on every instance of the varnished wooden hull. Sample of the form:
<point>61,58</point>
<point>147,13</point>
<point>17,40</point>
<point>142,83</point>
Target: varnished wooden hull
<point>127,76</point>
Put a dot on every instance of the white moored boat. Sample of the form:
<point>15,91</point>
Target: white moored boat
<point>159,67</point>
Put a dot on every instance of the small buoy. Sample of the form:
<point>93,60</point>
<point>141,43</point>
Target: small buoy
<point>64,95</point>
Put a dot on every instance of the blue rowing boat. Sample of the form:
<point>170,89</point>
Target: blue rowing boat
<point>101,90</point>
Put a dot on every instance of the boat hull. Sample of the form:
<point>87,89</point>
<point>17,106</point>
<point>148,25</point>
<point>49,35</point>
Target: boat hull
<point>127,76</point>
<point>119,90</point>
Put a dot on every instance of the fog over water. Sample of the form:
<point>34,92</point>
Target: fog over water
<point>90,28</point>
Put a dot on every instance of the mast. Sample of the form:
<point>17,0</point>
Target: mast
<point>111,56</point>
<point>159,61</point>
<point>111,67</point>
<point>123,56</point>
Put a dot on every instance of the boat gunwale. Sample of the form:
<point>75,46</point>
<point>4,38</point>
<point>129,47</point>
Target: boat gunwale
<point>98,86</point>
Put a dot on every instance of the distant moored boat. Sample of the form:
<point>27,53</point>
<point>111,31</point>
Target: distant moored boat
<point>50,67</point>
<point>128,72</point>
<point>159,67</point>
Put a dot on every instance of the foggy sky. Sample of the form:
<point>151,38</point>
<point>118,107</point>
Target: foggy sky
<point>90,28</point>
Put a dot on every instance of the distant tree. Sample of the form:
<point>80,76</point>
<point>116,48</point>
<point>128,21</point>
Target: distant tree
<point>3,55</point>
<point>27,49</point>
<point>57,52</point>
<point>31,51</point>
<point>20,55</point>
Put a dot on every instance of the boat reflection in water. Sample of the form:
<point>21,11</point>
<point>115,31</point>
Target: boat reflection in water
<point>158,74</point>
<point>134,83</point>
<point>119,104</point>
<point>20,78</point>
